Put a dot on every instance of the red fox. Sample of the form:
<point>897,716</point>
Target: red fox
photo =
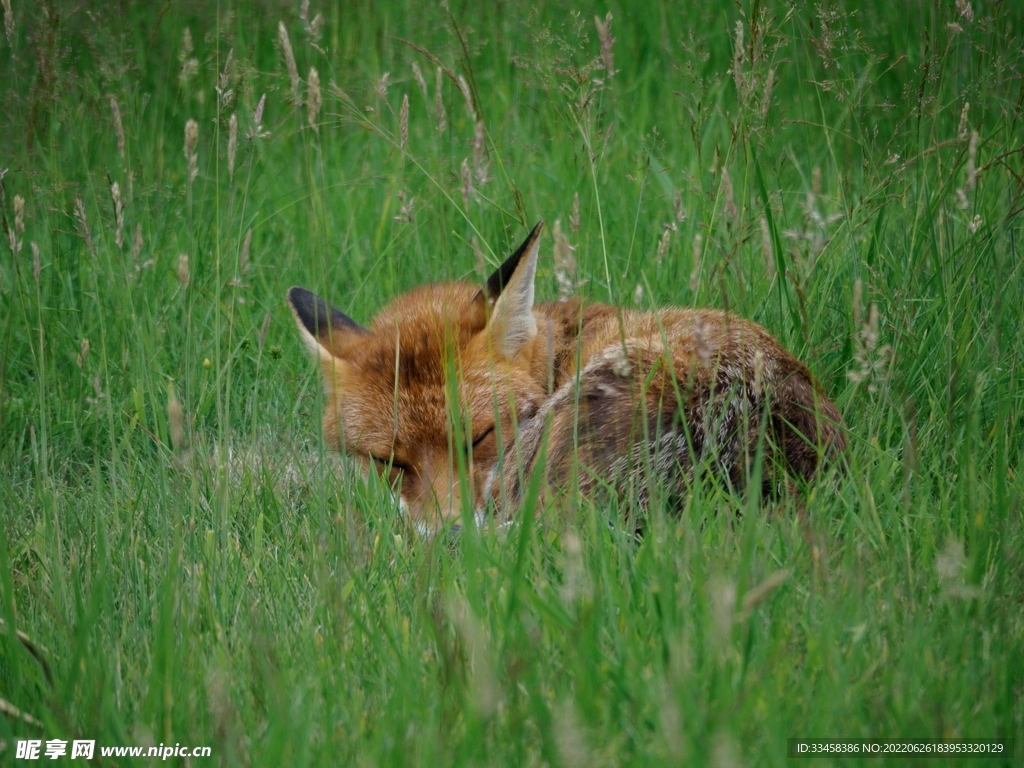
<point>591,395</point>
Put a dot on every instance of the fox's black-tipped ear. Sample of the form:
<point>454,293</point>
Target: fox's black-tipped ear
<point>509,291</point>
<point>326,330</point>
<point>503,275</point>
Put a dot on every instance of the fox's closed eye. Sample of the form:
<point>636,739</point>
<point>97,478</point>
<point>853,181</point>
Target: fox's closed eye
<point>389,463</point>
<point>483,436</point>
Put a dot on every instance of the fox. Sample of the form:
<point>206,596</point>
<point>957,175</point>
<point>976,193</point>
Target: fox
<point>575,394</point>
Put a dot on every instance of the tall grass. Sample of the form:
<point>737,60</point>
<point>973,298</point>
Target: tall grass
<point>195,567</point>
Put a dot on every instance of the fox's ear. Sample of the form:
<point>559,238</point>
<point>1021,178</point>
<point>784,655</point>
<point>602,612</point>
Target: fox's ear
<point>510,291</point>
<point>326,331</point>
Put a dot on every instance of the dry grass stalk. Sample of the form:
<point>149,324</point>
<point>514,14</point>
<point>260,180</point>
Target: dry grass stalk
<point>417,73</point>
<point>565,263</point>
<point>83,226</point>
<point>439,103</point>
<point>289,62</point>
<point>403,123</point>
<point>35,263</point>
<point>604,35</point>
<point>118,126</point>
<point>315,100</point>
<point>115,196</point>
<point>232,143</point>
<point>191,143</point>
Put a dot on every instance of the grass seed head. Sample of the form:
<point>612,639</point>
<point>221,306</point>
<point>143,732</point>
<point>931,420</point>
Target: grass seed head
<point>565,263</point>
<point>118,127</point>
<point>766,99</point>
<point>175,419</point>
<point>9,21</point>
<point>574,217</point>
<point>698,244</point>
<point>257,132</point>
<point>467,183</point>
<point>191,143</point>
<point>137,242</point>
<point>115,196</point>
<point>183,269</point>
<point>730,203</point>
<point>289,62</point>
<point>965,10</point>
<point>666,240</point>
<point>263,331</point>
<point>19,224</point>
<point>677,206</point>
<point>35,263</point>
<point>738,58</point>
<point>232,143</point>
<point>83,226</point>
<point>189,65</point>
<point>403,123</point>
<point>962,130</point>
<point>604,35</point>
<point>767,249</point>
<point>481,163</point>
<point>381,86</point>
<point>243,260</point>
<point>439,103</point>
<point>84,354</point>
<point>972,162</point>
<point>468,96</point>
<point>478,259</point>
<point>315,100</point>
<point>417,73</point>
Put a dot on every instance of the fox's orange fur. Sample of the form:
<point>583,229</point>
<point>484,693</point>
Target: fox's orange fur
<point>624,396</point>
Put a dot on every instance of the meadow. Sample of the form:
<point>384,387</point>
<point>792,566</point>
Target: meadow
<point>189,564</point>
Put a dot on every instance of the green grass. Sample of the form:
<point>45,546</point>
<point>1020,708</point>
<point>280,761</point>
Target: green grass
<point>220,579</point>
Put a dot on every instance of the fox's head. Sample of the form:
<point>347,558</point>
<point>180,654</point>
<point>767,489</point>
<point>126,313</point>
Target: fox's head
<point>390,386</point>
